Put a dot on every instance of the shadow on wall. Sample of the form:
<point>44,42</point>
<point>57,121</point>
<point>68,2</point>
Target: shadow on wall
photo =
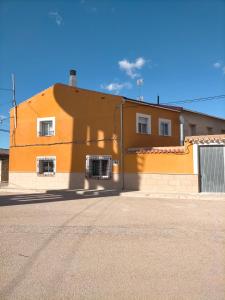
<point>134,165</point>
<point>93,129</point>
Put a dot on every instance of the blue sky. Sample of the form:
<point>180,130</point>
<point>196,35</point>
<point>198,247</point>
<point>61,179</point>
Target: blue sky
<point>176,47</point>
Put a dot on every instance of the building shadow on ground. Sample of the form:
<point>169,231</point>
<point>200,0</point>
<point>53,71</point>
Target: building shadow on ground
<point>54,196</point>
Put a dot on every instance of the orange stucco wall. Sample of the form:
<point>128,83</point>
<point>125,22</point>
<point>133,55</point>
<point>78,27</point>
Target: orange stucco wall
<point>165,163</point>
<point>87,122</point>
<point>133,139</point>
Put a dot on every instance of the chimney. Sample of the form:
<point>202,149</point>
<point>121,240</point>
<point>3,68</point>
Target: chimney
<point>158,99</point>
<point>73,78</point>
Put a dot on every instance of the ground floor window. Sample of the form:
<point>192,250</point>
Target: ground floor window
<point>99,167</point>
<point>46,165</point>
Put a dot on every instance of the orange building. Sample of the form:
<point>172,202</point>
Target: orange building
<point>67,137</point>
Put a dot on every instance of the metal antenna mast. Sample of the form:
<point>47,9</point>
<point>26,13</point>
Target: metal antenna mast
<point>14,100</point>
<point>140,83</point>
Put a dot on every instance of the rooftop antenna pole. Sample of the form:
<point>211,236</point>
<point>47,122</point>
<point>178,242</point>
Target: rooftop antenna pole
<point>14,100</point>
<point>140,83</point>
<point>158,99</point>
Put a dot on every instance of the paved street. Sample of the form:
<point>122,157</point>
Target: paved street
<point>58,246</point>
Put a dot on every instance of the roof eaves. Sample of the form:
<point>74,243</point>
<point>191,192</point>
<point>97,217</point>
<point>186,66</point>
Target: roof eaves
<point>152,104</point>
<point>203,114</point>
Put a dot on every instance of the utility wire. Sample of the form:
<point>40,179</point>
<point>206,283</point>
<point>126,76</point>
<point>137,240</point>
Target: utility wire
<point>196,100</point>
<point>3,120</point>
<point>2,89</point>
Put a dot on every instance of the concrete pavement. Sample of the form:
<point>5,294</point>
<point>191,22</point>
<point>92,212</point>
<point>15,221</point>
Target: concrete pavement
<point>55,247</point>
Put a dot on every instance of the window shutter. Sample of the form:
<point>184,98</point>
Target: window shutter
<point>88,167</point>
<point>37,165</point>
<point>161,128</point>
<point>109,168</point>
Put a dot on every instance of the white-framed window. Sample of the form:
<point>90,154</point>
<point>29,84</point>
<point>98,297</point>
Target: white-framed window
<point>143,123</point>
<point>165,127</point>
<point>46,126</point>
<point>99,166</point>
<point>46,165</point>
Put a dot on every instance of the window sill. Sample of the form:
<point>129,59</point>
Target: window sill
<point>46,175</point>
<point>143,133</point>
<point>98,178</point>
<point>45,135</point>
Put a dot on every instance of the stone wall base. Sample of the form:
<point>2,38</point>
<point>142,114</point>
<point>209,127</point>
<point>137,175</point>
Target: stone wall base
<point>155,183</point>
<point>162,183</point>
<point>30,180</point>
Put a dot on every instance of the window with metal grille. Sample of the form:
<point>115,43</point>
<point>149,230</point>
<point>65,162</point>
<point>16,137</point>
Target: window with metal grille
<point>164,127</point>
<point>46,166</point>
<point>99,167</point>
<point>143,123</point>
<point>46,126</point>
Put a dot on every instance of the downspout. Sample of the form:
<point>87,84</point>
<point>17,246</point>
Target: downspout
<point>181,118</point>
<point>122,145</point>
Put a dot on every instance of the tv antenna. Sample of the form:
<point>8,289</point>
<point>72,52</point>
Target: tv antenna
<point>140,83</point>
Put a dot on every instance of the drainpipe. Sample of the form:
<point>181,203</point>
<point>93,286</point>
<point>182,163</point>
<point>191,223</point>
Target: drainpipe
<point>121,145</point>
<point>181,118</point>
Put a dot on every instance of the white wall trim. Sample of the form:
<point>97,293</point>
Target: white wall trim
<point>39,120</point>
<point>195,158</point>
<point>149,126</point>
<point>45,158</point>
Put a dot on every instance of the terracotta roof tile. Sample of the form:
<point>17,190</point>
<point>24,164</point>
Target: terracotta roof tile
<point>217,138</point>
<point>146,150</point>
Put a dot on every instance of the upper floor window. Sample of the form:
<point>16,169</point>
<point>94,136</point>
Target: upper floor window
<point>209,130</point>
<point>165,127</point>
<point>46,126</point>
<point>99,166</point>
<point>143,123</point>
<point>46,165</point>
<point>223,131</point>
<point>192,129</point>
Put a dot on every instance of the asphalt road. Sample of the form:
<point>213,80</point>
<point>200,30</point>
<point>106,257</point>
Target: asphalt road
<point>54,247</point>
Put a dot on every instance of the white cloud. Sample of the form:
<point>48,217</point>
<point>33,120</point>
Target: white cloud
<point>57,17</point>
<point>131,67</point>
<point>220,66</point>
<point>217,65</point>
<point>116,87</point>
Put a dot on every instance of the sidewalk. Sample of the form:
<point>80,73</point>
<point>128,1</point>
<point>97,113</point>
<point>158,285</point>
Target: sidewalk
<point>4,188</point>
<point>191,196</point>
